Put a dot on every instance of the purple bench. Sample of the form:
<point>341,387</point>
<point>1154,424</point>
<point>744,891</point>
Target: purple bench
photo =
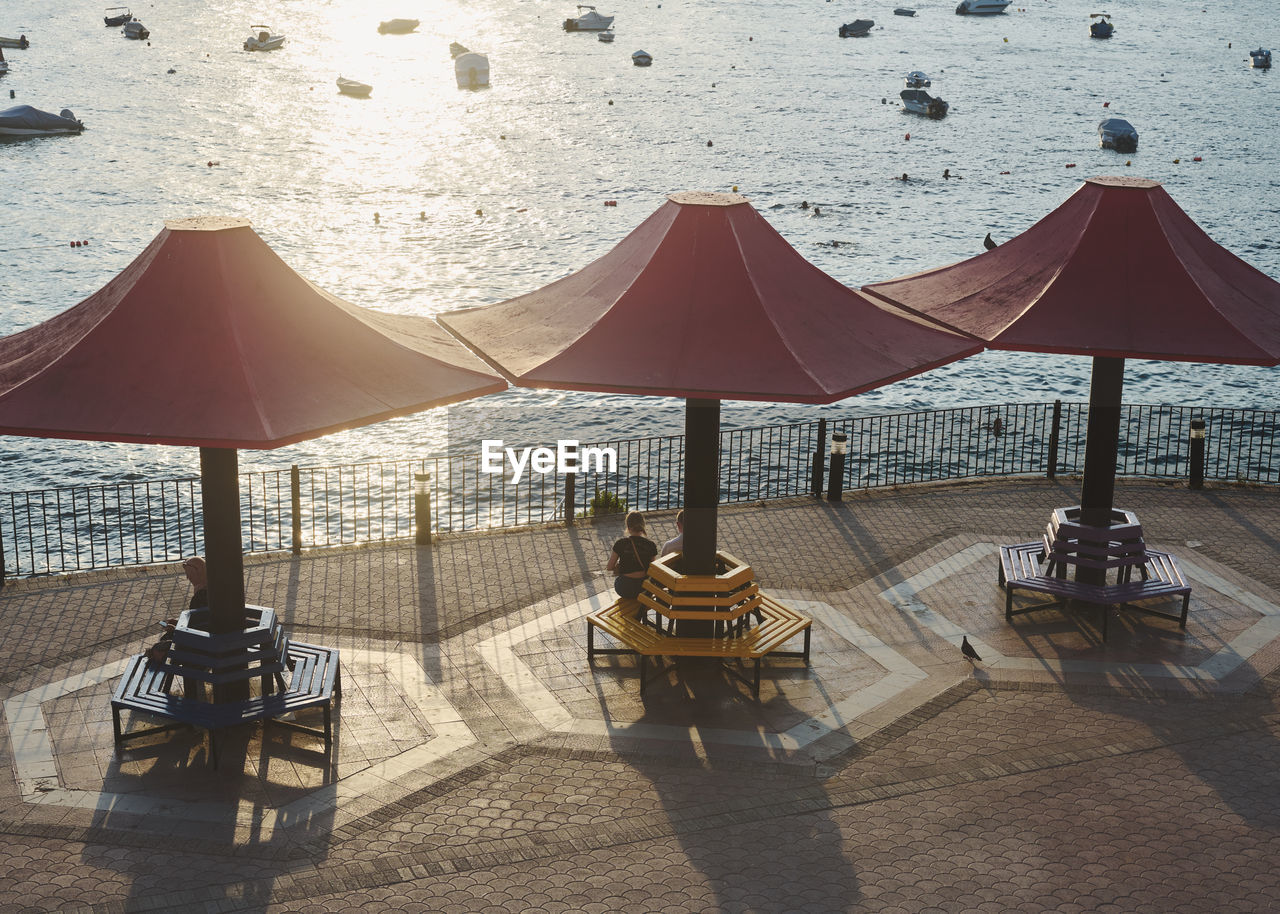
<point>1042,567</point>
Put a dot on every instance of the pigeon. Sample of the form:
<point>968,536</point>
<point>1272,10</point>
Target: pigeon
<point>967,649</point>
<point>988,243</point>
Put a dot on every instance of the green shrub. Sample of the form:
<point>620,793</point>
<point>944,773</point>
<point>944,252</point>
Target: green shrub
<point>606,502</point>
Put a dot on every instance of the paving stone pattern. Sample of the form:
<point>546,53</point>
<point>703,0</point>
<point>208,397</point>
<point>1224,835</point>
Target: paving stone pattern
<point>1103,788</point>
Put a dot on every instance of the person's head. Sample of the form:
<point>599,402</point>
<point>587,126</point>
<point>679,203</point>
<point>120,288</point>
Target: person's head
<point>680,520</point>
<point>197,574</point>
<point>635,523</point>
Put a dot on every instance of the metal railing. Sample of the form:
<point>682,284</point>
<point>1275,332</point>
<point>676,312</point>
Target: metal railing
<point>130,523</point>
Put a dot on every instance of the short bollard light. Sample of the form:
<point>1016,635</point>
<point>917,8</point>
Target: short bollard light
<point>835,479</point>
<point>1197,453</point>
<point>422,508</point>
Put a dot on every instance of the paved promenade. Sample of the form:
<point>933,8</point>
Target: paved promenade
<point>480,764</point>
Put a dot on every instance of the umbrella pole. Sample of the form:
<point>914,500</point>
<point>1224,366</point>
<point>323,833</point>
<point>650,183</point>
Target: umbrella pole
<point>1102,445</point>
<point>701,495</point>
<point>220,499</point>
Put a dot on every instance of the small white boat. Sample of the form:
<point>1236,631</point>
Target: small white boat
<point>981,7</point>
<point>1261,59</point>
<point>917,79</point>
<point>605,36</point>
<point>261,39</point>
<point>1101,26</point>
<point>117,16</point>
<point>353,88</point>
<point>1118,134</point>
<point>457,50</point>
<point>136,30</point>
<point>471,70</point>
<point>590,21</point>
<point>24,120</point>
<point>857,28</point>
<point>397,26</point>
<point>642,58</point>
<point>19,43</point>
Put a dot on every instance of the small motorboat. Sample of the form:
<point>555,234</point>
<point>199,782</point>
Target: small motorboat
<point>590,21</point>
<point>397,26</point>
<point>1101,26</point>
<point>903,11</point>
<point>642,58</point>
<point>981,7</point>
<point>918,101</point>
<point>136,30</point>
<point>27,121</point>
<point>606,36</point>
<point>1261,59</point>
<point>457,50</point>
<point>261,39</point>
<point>353,88</point>
<point>1118,134</point>
<point>471,70</point>
<point>20,43</point>
<point>857,28</point>
<point>917,79</point>
<point>117,16</point>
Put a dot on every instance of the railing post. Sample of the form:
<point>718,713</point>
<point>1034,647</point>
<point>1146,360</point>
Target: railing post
<point>1197,453</point>
<point>571,486</point>
<point>295,505</point>
<point>2,559</point>
<point>819,459</point>
<point>422,508</point>
<point>1052,470</point>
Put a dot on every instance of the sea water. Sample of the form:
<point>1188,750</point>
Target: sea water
<point>426,198</point>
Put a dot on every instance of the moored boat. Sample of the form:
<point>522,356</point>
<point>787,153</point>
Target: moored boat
<point>1118,134</point>
<point>471,70</point>
<point>136,30</point>
<point>1101,26</point>
<point>606,36</point>
<point>24,120</point>
<point>20,43</point>
<point>1261,59</point>
<point>642,58</point>
<point>982,7</point>
<point>353,88</point>
<point>261,39</point>
<point>904,11</point>
<point>857,28</point>
<point>397,26</point>
<point>590,21</point>
<point>117,16</point>
<point>916,100</point>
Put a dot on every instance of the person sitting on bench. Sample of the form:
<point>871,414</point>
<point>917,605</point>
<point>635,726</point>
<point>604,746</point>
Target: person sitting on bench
<point>630,558</point>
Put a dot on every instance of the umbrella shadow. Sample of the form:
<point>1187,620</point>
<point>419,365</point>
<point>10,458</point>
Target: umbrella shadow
<point>726,804</point>
<point>210,819</point>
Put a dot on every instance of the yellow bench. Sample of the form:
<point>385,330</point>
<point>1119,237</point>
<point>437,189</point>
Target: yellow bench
<point>624,622</point>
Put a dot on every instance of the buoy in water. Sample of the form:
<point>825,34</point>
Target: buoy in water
<point>1071,164</point>
<point>735,188</point>
<point>479,212</point>
<point>611,203</point>
<point>377,218</point>
<point>1106,104</point>
<point>1197,159</point>
<point>1177,161</point>
<point>708,142</point>
<point>908,136</point>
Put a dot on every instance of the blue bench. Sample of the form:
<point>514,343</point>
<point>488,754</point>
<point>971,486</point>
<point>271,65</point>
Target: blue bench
<point>316,680</point>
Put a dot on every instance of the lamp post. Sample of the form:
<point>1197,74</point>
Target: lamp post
<point>1197,453</point>
<point>835,479</point>
<point>422,508</point>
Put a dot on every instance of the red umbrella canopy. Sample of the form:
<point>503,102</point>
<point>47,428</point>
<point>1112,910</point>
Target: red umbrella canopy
<point>1118,270</point>
<point>704,300</point>
<point>209,339</point>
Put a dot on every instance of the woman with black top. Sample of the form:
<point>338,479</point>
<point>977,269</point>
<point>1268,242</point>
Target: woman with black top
<point>631,557</point>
